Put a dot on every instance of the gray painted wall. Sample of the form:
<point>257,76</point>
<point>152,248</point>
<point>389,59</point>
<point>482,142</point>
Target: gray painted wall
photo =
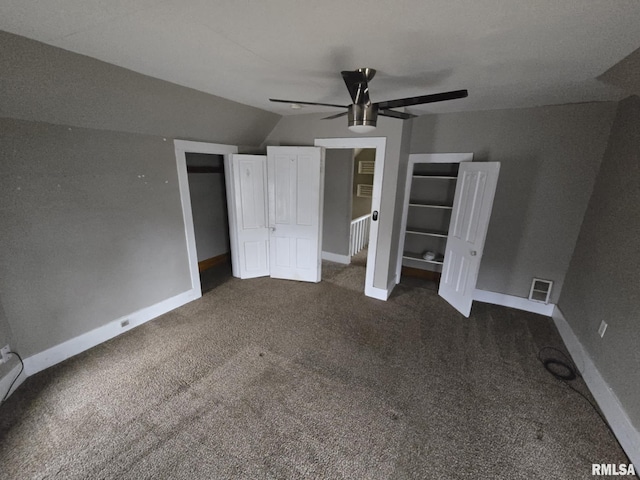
<point>92,229</point>
<point>6,338</point>
<point>90,210</point>
<point>304,129</point>
<point>361,205</point>
<point>337,201</point>
<point>209,207</point>
<point>405,148</point>
<point>603,281</point>
<point>550,157</point>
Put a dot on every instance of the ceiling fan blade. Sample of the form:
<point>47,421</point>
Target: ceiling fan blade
<point>391,113</point>
<point>436,97</point>
<point>308,103</point>
<point>337,115</point>
<point>357,85</point>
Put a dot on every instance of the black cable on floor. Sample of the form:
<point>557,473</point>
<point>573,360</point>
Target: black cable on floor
<point>565,371</point>
<point>15,379</point>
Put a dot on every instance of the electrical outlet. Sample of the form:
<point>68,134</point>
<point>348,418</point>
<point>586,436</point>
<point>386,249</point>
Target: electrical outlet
<point>124,323</point>
<point>4,353</point>
<point>603,328</point>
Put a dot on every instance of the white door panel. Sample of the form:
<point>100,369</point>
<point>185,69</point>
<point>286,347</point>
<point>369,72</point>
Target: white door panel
<point>248,215</point>
<point>472,206</point>
<point>295,186</point>
<point>256,258</point>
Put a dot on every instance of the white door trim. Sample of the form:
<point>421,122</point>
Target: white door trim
<point>422,158</point>
<point>380,144</point>
<point>181,148</point>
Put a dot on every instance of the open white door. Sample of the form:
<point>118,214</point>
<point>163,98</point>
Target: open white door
<point>472,206</point>
<point>248,221</point>
<point>295,186</point>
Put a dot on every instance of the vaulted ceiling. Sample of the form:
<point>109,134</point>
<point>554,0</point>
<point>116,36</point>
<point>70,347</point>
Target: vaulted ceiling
<point>507,53</point>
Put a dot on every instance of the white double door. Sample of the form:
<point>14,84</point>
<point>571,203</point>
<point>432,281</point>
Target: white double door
<point>275,213</point>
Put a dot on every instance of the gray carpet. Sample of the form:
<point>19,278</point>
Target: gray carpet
<point>274,379</point>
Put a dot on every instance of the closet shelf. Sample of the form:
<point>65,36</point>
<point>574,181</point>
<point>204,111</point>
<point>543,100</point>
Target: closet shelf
<point>428,208</point>
<point>430,205</point>
<point>418,258</point>
<point>429,233</point>
<point>439,177</point>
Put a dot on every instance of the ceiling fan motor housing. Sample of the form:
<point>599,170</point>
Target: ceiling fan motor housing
<point>363,115</point>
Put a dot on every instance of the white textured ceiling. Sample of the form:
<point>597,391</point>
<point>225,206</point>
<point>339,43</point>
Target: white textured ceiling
<point>507,53</point>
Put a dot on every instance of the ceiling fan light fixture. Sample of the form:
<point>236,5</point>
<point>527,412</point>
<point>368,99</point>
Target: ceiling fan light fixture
<point>363,118</point>
<point>362,128</point>
<point>363,114</point>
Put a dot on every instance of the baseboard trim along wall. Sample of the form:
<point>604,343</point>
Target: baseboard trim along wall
<point>381,293</point>
<point>79,344</point>
<point>512,301</point>
<point>8,378</point>
<point>608,402</point>
<point>213,261</point>
<point>336,257</point>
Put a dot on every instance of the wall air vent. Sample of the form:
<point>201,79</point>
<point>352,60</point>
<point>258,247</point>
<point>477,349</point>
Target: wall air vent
<point>366,167</point>
<point>364,190</point>
<point>540,290</point>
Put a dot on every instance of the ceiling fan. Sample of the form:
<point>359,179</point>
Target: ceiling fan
<point>363,114</point>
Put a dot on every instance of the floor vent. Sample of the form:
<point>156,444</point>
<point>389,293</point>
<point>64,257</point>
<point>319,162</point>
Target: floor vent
<point>540,290</point>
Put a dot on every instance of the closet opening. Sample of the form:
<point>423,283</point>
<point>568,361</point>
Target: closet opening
<point>207,192</point>
<point>431,193</point>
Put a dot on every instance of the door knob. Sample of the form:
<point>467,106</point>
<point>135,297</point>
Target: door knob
<point>273,229</point>
<point>473,253</point>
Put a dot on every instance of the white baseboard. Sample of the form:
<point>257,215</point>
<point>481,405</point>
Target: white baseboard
<point>336,257</point>
<point>512,301</point>
<point>8,378</point>
<point>607,400</point>
<point>74,346</point>
<point>375,292</point>
<point>381,293</point>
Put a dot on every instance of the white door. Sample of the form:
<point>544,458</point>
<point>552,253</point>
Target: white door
<point>472,204</point>
<point>248,219</point>
<point>295,186</point>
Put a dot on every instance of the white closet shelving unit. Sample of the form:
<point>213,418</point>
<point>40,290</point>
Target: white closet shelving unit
<point>430,187</point>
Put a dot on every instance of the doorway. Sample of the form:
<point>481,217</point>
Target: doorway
<point>378,144</point>
<point>205,172</point>
<point>195,161</point>
<point>348,186</point>
<point>361,195</point>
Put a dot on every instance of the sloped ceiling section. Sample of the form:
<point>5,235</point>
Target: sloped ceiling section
<point>47,84</point>
<point>625,74</point>
<point>507,53</point>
